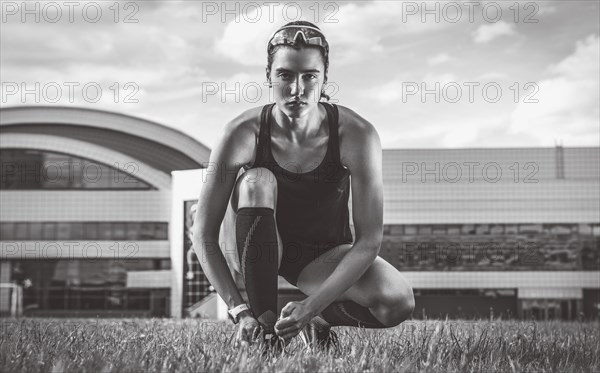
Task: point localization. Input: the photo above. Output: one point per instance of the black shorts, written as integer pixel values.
(298, 255)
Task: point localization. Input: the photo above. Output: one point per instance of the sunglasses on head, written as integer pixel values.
(288, 35)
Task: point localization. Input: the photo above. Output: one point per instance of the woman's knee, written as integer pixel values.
(396, 305)
(257, 187)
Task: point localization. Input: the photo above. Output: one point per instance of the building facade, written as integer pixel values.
(85, 206)
(95, 219)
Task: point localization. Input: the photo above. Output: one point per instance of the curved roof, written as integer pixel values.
(159, 146)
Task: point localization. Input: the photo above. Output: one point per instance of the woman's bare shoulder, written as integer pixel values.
(352, 126)
(247, 121)
(353, 131)
(239, 135)
(351, 121)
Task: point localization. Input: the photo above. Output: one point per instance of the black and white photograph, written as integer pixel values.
(300, 186)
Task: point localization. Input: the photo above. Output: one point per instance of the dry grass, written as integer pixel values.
(152, 345)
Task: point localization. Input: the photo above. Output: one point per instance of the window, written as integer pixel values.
(49, 231)
(104, 231)
(63, 231)
(481, 247)
(21, 231)
(6, 231)
(90, 231)
(439, 229)
(424, 229)
(161, 232)
(133, 231)
(396, 230)
(30, 169)
(482, 229)
(86, 231)
(410, 230)
(119, 231)
(35, 231)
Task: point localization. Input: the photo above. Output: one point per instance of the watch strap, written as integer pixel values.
(235, 311)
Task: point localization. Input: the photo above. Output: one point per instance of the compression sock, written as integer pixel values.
(256, 239)
(349, 313)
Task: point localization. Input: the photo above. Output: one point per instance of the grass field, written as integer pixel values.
(126, 345)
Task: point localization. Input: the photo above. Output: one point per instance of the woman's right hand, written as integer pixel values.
(248, 329)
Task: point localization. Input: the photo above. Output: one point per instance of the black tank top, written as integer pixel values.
(312, 207)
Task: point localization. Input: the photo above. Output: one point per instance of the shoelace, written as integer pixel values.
(314, 336)
(272, 343)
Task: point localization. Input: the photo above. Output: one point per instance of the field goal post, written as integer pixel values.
(14, 298)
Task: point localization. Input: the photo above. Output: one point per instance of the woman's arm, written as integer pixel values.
(233, 150)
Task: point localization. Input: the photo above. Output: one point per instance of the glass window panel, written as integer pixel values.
(138, 264)
(91, 231)
(119, 231)
(410, 229)
(585, 229)
(468, 229)
(165, 264)
(92, 299)
(49, 231)
(482, 229)
(561, 229)
(138, 299)
(133, 231)
(511, 229)
(424, 229)
(76, 169)
(162, 231)
(396, 230)
(7, 231)
(63, 231)
(95, 176)
(453, 229)
(21, 231)
(497, 229)
(104, 231)
(35, 231)
(439, 229)
(77, 231)
(147, 231)
(55, 171)
(27, 169)
(530, 228)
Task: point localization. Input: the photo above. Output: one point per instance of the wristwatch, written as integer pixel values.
(235, 312)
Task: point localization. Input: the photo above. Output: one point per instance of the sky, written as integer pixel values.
(425, 74)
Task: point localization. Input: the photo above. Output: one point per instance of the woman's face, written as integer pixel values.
(297, 76)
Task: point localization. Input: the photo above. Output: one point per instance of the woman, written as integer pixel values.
(286, 211)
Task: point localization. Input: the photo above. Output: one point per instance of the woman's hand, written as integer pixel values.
(294, 317)
(248, 330)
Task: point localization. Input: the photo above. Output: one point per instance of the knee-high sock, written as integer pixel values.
(256, 239)
(349, 313)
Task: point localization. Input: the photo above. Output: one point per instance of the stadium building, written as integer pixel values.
(95, 215)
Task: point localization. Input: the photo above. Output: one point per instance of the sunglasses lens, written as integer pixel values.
(292, 34)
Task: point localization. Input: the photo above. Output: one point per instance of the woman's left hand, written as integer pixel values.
(294, 317)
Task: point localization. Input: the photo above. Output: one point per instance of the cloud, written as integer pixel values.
(568, 101)
(438, 59)
(486, 33)
(392, 91)
(492, 76)
(356, 32)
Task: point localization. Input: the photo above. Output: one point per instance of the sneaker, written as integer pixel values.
(318, 334)
(271, 342)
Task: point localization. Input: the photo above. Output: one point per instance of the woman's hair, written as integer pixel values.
(300, 44)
